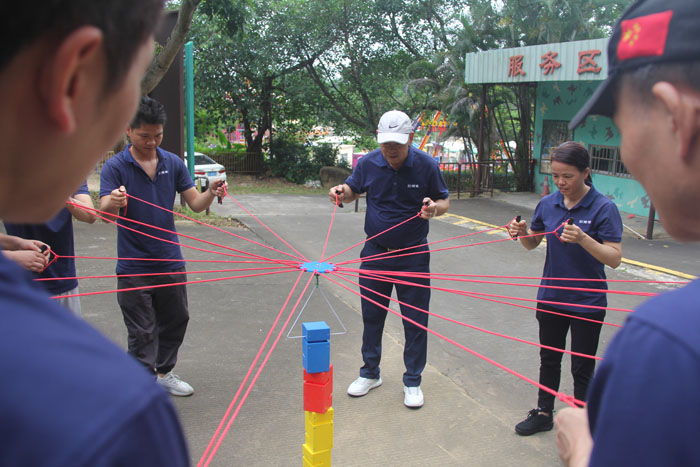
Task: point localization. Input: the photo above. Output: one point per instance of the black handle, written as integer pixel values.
(340, 205)
(517, 219)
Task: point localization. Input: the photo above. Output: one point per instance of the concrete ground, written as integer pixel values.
(470, 405)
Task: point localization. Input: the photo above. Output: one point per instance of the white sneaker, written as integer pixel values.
(413, 397)
(361, 386)
(174, 385)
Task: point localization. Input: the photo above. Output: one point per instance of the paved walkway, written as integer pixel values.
(471, 406)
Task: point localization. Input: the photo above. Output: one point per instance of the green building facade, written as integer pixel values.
(566, 75)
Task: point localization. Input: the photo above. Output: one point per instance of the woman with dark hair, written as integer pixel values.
(590, 240)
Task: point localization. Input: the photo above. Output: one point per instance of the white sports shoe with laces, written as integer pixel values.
(413, 397)
(174, 385)
(362, 386)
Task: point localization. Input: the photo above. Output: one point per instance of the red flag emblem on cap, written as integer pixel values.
(644, 36)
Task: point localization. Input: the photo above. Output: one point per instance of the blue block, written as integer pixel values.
(316, 331)
(316, 356)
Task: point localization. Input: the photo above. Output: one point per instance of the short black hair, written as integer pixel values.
(125, 24)
(642, 79)
(150, 112)
(572, 153)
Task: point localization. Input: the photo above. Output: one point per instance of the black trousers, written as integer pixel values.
(156, 319)
(584, 339)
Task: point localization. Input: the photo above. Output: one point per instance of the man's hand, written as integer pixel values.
(32, 260)
(429, 209)
(219, 188)
(573, 439)
(337, 192)
(117, 197)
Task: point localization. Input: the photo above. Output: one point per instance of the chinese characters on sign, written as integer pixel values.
(549, 64)
(515, 65)
(586, 63)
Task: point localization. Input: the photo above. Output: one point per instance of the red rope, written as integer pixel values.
(516, 284)
(212, 226)
(563, 397)
(473, 295)
(249, 255)
(372, 237)
(330, 226)
(493, 333)
(302, 257)
(470, 293)
(393, 254)
(218, 279)
(112, 276)
(437, 275)
(211, 450)
(226, 261)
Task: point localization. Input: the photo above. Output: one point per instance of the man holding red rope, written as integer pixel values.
(156, 318)
(643, 403)
(400, 181)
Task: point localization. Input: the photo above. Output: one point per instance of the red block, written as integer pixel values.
(318, 397)
(319, 378)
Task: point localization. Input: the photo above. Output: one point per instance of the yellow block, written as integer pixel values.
(319, 437)
(306, 463)
(316, 458)
(316, 418)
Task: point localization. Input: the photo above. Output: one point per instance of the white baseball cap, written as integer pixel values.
(394, 126)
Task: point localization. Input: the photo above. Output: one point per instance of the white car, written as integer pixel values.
(206, 167)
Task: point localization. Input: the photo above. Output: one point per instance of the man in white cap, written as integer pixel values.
(400, 181)
(643, 402)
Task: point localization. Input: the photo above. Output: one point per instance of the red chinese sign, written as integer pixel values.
(586, 62)
(515, 65)
(549, 64)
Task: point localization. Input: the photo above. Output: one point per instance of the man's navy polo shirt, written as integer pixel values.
(171, 177)
(57, 233)
(597, 216)
(643, 403)
(396, 195)
(69, 395)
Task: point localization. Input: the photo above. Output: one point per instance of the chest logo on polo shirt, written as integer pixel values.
(413, 185)
(163, 172)
(579, 221)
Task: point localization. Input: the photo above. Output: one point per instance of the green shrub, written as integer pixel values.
(289, 158)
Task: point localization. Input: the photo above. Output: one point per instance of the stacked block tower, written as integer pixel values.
(318, 394)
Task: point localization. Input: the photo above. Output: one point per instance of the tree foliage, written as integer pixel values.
(287, 65)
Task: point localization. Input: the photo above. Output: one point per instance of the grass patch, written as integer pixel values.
(249, 184)
(211, 218)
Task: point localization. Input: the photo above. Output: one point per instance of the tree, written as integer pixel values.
(240, 72)
(162, 61)
(508, 110)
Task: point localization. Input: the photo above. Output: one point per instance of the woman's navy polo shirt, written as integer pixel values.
(171, 177)
(396, 195)
(597, 216)
(58, 234)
